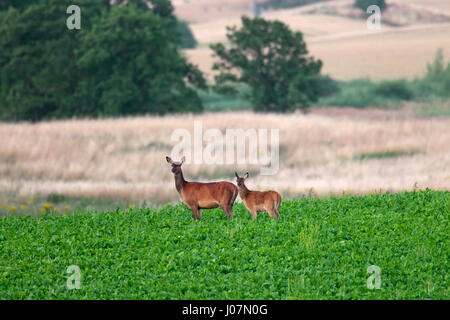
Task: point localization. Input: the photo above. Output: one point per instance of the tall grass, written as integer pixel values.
(124, 159)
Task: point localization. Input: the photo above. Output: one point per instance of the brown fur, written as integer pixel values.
(198, 195)
(257, 201)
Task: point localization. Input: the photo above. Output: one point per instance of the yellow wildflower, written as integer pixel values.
(47, 206)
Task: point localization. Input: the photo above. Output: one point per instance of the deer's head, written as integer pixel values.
(240, 181)
(176, 166)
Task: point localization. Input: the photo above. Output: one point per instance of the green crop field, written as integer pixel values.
(318, 249)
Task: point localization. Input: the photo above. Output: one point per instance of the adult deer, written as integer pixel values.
(257, 201)
(198, 195)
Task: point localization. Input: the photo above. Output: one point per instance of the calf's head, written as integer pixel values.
(240, 181)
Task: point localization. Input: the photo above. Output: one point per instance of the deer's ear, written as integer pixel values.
(169, 160)
(246, 176)
(182, 160)
(235, 173)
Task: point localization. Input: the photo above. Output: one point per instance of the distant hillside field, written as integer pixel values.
(411, 33)
(318, 249)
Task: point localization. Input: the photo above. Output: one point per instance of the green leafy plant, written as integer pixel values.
(317, 249)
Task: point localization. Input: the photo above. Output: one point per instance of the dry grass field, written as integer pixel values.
(326, 152)
(411, 33)
(437, 6)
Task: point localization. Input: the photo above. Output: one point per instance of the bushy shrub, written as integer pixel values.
(437, 71)
(355, 93)
(436, 82)
(396, 89)
(439, 74)
(327, 86)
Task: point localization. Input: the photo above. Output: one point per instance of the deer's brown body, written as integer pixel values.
(198, 195)
(259, 201)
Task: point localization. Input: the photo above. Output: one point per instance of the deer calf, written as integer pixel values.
(257, 201)
(197, 195)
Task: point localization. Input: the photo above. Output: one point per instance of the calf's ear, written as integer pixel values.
(235, 173)
(169, 160)
(182, 160)
(246, 176)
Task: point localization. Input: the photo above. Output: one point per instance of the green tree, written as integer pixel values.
(272, 60)
(37, 59)
(17, 4)
(437, 77)
(138, 67)
(364, 4)
(187, 40)
(124, 60)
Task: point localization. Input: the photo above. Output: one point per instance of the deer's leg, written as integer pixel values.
(277, 211)
(227, 209)
(195, 211)
(231, 203)
(227, 205)
(277, 207)
(253, 212)
(269, 206)
(274, 210)
(276, 214)
(230, 211)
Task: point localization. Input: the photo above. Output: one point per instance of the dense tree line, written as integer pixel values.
(125, 59)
